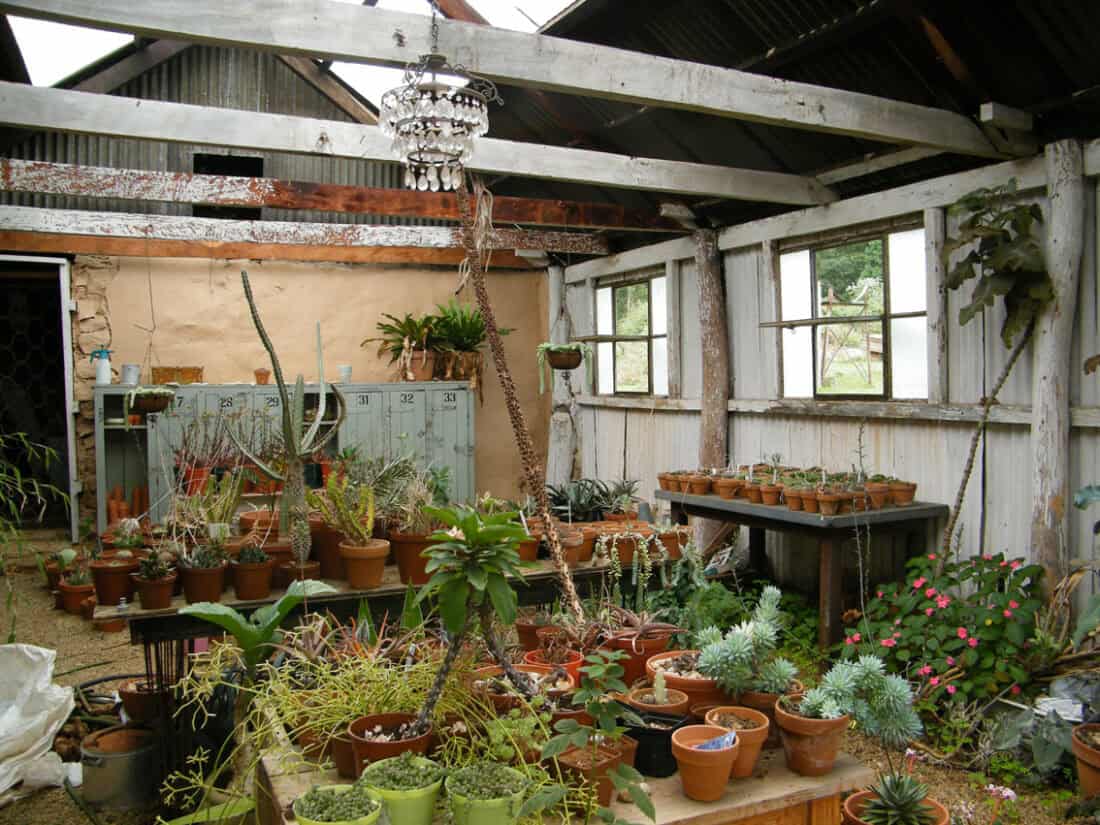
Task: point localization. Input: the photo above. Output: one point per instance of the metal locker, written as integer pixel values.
(406, 418)
(364, 426)
(165, 437)
(448, 438)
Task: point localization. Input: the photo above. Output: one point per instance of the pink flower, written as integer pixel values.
(879, 594)
(1008, 614)
(942, 601)
(950, 661)
(897, 622)
(888, 642)
(856, 637)
(930, 592)
(919, 583)
(1004, 564)
(1015, 690)
(897, 634)
(931, 556)
(848, 640)
(1013, 604)
(935, 680)
(928, 611)
(951, 689)
(973, 641)
(987, 557)
(1015, 565)
(961, 632)
(924, 671)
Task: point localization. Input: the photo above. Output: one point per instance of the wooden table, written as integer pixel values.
(921, 520)
(774, 796)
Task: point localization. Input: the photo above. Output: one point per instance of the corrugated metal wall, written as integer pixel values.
(996, 512)
(225, 78)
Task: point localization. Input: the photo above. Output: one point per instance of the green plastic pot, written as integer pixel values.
(503, 811)
(369, 819)
(415, 807)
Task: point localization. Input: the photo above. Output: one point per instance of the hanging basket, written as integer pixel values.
(151, 403)
(564, 359)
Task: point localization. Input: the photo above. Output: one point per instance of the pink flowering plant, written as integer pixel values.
(961, 632)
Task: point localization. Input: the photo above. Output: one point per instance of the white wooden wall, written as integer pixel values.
(640, 438)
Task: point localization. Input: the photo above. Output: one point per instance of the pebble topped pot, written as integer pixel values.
(368, 750)
(699, 690)
(638, 651)
(704, 774)
(765, 703)
(751, 739)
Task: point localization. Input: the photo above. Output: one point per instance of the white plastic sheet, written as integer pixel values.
(32, 711)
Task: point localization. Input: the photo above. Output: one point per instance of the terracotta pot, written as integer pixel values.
(364, 563)
(588, 544)
(902, 493)
(727, 487)
(664, 481)
(677, 704)
(878, 493)
(53, 575)
(793, 499)
(1088, 761)
(765, 703)
(326, 549)
(809, 502)
(698, 690)
(87, 608)
(293, 571)
(252, 582)
(157, 594)
(673, 542)
(73, 594)
(143, 702)
(699, 485)
(853, 809)
(578, 762)
(260, 521)
(572, 666)
(407, 549)
(421, 366)
(810, 745)
(262, 375)
(769, 494)
(528, 549)
(626, 545)
(111, 579)
(567, 710)
(280, 554)
(568, 359)
(638, 652)
(751, 739)
(703, 774)
(698, 712)
(683, 484)
(343, 756)
(505, 702)
(828, 504)
(628, 749)
(203, 584)
(528, 634)
(195, 479)
(571, 547)
(752, 493)
(367, 751)
(630, 516)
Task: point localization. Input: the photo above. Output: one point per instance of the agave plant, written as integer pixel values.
(898, 800)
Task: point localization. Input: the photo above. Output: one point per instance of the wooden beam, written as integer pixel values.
(131, 66)
(562, 441)
(1006, 117)
(1052, 349)
(214, 230)
(331, 87)
(39, 242)
(871, 164)
(65, 111)
(656, 254)
(935, 229)
(43, 177)
(367, 35)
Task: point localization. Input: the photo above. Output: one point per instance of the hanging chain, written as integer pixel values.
(435, 25)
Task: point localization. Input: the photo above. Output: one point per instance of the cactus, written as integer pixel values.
(299, 443)
(346, 507)
(660, 692)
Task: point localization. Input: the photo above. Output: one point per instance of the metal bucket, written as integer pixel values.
(131, 374)
(121, 768)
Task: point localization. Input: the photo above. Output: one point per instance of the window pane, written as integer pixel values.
(909, 357)
(798, 362)
(849, 359)
(604, 369)
(794, 284)
(631, 366)
(604, 323)
(660, 366)
(660, 306)
(907, 272)
(849, 279)
(632, 309)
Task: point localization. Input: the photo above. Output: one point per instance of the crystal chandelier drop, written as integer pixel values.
(433, 120)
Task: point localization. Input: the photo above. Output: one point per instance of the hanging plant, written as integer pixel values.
(563, 357)
(406, 339)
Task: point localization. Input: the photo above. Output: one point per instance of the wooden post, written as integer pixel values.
(714, 352)
(1053, 338)
(563, 434)
(935, 230)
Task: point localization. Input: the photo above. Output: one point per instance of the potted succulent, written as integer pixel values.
(554, 650)
(902, 493)
(751, 727)
(337, 803)
(349, 508)
(411, 344)
(878, 491)
(252, 571)
(563, 357)
(527, 624)
(1086, 749)
(75, 586)
(705, 755)
(378, 736)
(111, 577)
(681, 672)
(202, 570)
(410, 537)
(154, 580)
(486, 793)
(408, 786)
(142, 700)
(658, 698)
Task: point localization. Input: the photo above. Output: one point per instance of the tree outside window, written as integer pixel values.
(632, 338)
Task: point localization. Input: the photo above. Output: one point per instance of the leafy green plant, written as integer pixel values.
(153, 568)
(78, 577)
(347, 507)
(340, 804)
(251, 554)
(543, 365)
(486, 780)
(407, 772)
(519, 732)
(256, 634)
(460, 327)
(403, 337)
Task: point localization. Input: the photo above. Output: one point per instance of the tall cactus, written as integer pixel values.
(299, 443)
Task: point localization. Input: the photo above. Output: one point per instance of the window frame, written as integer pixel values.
(814, 322)
(624, 282)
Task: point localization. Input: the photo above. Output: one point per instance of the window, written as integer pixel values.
(632, 338)
(859, 319)
(238, 165)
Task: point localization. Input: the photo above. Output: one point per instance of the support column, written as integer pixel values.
(563, 434)
(714, 352)
(1053, 338)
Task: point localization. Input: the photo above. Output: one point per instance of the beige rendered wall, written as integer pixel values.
(202, 319)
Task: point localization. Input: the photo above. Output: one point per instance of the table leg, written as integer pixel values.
(758, 551)
(829, 590)
(824, 811)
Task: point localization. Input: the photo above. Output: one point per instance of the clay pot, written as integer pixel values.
(367, 751)
(828, 504)
(698, 690)
(528, 549)
(809, 502)
(698, 712)
(793, 499)
(853, 808)
(578, 762)
(407, 549)
(699, 485)
(629, 516)
(154, 595)
(111, 578)
(528, 634)
(572, 666)
(364, 563)
(769, 494)
(143, 702)
(87, 608)
(727, 487)
(280, 554)
(673, 542)
(262, 375)
(664, 481)
(203, 584)
(765, 704)
(626, 545)
(261, 521)
(567, 710)
(421, 366)
(627, 748)
(703, 774)
(810, 745)
(751, 739)
(902, 493)
(878, 493)
(677, 704)
(343, 756)
(588, 543)
(505, 702)
(571, 547)
(195, 479)
(326, 549)
(252, 582)
(638, 652)
(73, 594)
(293, 571)
(53, 575)
(752, 493)
(568, 359)
(1088, 761)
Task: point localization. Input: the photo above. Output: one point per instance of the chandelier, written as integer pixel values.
(434, 117)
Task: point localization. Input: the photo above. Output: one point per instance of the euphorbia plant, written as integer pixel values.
(347, 507)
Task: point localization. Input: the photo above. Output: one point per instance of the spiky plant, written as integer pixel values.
(660, 691)
(299, 442)
(899, 800)
(346, 507)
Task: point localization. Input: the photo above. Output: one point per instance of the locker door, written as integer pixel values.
(364, 425)
(448, 438)
(165, 437)
(407, 420)
(228, 401)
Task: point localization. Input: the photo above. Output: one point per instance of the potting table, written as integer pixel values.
(773, 796)
(922, 521)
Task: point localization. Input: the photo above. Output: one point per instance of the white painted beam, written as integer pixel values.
(1006, 117)
(66, 111)
(337, 31)
(215, 230)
